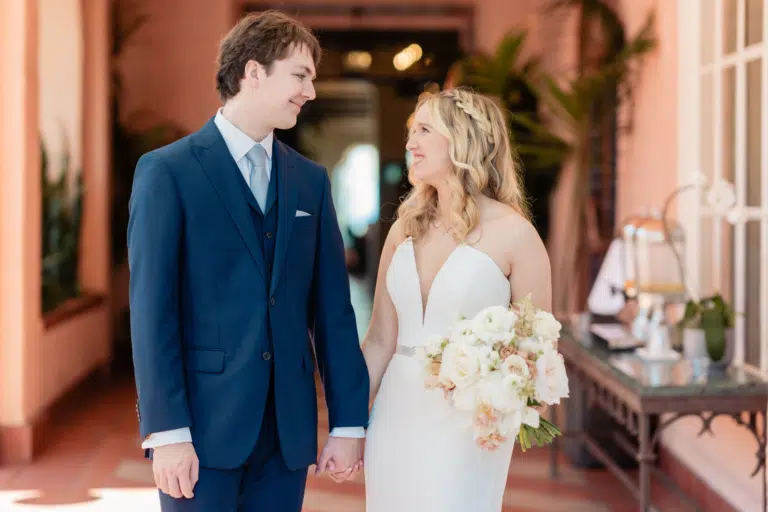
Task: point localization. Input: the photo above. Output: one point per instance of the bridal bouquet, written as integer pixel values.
(499, 367)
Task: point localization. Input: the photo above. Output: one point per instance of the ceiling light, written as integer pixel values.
(357, 60)
(406, 57)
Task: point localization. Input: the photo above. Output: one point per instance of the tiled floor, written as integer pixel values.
(94, 464)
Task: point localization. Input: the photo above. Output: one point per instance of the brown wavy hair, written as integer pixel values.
(264, 37)
(484, 163)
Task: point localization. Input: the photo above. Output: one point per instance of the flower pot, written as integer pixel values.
(714, 343)
(720, 345)
(694, 344)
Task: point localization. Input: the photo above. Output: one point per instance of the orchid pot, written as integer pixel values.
(708, 327)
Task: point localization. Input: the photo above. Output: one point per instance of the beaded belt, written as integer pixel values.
(406, 350)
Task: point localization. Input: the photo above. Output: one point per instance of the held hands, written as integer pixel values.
(176, 469)
(342, 458)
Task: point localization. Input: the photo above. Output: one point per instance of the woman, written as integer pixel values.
(462, 242)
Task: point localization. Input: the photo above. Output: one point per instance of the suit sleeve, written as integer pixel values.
(154, 242)
(340, 359)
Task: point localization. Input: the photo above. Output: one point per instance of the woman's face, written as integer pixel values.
(431, 162)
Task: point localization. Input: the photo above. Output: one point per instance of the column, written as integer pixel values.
(19, 219)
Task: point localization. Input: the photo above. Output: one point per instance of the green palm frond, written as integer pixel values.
(581, 106)
(491, 73)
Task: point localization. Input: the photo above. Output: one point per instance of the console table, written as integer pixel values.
(634, 392)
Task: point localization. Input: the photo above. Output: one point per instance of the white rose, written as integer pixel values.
(531, 417)
(434, 346)
(545, 326)
(533, 345)
(510, 423)
(489, 359)
(551, 379)
(494, 319)
(517, 369)
(495, 323)
(461, 364)
(496, 391)
(462, 332)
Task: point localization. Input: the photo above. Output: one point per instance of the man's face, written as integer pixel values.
(279, 95)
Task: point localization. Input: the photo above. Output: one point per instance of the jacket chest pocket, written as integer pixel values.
(304, 234)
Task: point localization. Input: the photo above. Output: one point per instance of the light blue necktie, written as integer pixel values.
(258, 179)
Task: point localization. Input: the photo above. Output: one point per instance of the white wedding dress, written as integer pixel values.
(419, 454)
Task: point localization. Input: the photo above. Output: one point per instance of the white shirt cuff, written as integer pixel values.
(358, 432)
(179, 435)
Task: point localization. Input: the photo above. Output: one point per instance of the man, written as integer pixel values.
(237, 262)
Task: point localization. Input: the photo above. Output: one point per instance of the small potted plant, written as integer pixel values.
(708, 327)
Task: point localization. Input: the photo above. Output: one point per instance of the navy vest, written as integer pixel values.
(266, 228)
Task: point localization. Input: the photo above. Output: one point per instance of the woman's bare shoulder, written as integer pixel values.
(396, 235)
(512, 231)
(506, 222)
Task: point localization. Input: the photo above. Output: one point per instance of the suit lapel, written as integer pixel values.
(287, 197)
(212, 152)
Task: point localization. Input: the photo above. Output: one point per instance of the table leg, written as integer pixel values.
(765, 485)
(644, 459)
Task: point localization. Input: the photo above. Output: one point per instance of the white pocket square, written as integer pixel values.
(300, 213)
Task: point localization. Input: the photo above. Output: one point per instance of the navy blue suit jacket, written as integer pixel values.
(204, 309)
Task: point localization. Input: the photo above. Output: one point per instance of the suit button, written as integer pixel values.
(267, 356)
(272, 301)
(269, 234)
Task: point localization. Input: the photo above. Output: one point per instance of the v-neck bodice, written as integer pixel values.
(467, 281)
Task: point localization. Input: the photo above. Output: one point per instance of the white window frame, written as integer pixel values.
(690, 211)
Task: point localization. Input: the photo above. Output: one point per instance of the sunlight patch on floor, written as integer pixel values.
(102, 500)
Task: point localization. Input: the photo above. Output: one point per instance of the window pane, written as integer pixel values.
(752, 313)
(754, 135)
(729, 122)
(711, 281)
(725, 280)
(730, 21)
(707, 29)
(706, 283)
(707, 127)
(754, 21)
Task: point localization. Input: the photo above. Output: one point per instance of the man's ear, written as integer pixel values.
(252, 75)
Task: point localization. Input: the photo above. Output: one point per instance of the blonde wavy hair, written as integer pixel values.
(484, 163)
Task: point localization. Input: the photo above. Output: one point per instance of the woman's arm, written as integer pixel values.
(380, 340)
(531, 271)
(529, 264)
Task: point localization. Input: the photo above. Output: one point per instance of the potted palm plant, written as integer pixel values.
(586, 109)
(509, 78)
(62, 205)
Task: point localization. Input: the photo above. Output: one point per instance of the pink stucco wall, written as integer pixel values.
(171, 65)
(38, 365)
(647, 160)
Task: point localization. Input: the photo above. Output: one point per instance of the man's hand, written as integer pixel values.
(176, 469)
(342, 457)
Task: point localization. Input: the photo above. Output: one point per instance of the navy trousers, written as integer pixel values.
(263, 484)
